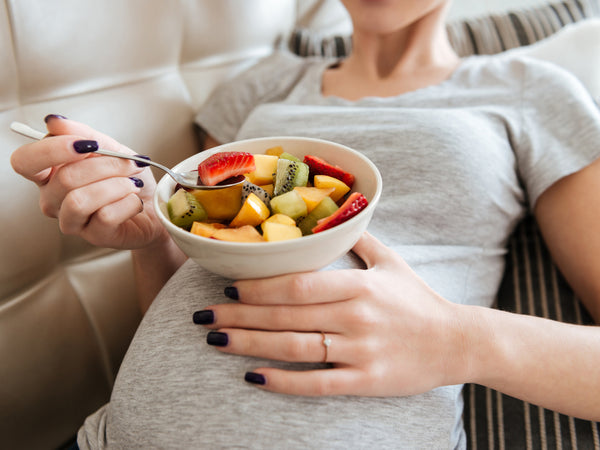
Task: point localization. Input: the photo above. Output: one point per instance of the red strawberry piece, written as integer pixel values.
(319, 166)
(221, 166)
(354, 204)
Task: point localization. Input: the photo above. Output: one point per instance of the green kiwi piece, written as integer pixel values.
(289, 175)
(291, 204)
(286, 155)
(325, 208)
(184, 209)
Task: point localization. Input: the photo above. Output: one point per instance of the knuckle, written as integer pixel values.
(66, 177)
(104, 216)
(47, 207)
(362, 316)
(75, 203)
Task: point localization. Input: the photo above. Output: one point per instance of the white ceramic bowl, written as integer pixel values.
(258, 260)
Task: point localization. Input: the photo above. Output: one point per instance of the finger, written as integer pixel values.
(334, 317)
(303, 288)
(80, 204)
(371, 250)
(105, 223)
(336, 381)
(287, 346)
(62, 126)
(34, 161)
(76, 175)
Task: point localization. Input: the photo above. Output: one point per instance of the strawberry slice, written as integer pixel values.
(354, 204)
(319, 166)
(221, 166)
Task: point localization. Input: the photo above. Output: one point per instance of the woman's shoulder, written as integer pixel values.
(275, 75)
(518, 69)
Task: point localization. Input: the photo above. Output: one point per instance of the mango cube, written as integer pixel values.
(252, 212)
(325, 181)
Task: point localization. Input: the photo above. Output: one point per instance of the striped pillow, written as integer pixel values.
(484, 35)
(532, 283)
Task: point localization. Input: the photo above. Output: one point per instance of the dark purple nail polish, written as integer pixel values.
(217, 338)
(85, 146)
(205, 317)
(138, 183)
(141, 164)
(255, 378)
(231, 292)
(53, 116)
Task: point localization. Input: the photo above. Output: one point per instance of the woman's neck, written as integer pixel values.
(413, 57)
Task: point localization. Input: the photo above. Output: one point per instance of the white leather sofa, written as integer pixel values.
(137, 70)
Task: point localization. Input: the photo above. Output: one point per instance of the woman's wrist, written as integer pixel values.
(154, 265)
(470, 354)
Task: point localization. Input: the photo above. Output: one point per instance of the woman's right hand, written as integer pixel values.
(107, 201)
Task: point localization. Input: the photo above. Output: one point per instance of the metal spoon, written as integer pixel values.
(186, 179)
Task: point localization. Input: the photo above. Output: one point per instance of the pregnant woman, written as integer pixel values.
(466, 148)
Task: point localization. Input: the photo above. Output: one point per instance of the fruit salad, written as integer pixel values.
(283, 197)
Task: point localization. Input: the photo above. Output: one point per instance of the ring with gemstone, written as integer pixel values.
(326, 344)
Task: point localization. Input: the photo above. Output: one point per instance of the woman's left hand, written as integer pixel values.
(389, 334)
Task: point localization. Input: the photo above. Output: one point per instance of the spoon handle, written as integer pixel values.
(32, 133)
(26, 131)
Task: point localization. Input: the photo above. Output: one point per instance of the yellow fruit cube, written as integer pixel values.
(274, 151)
(266, 165)
(325, 181)
(220, 204)
(281, 218)
(268, 188)
(252, 212)
(247, 233)
(206, 229)
(312, 196)
(273, 231)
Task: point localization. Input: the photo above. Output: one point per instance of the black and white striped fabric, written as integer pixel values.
(483, 35)
(532, 284)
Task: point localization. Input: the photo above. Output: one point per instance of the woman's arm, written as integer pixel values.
(541, 361)
(568, 214)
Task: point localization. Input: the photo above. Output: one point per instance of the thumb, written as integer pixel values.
(370, 249)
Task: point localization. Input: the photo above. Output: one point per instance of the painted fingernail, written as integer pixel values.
(138, 183)
(141, 164)
(53, 116)
(255, 378)
(231, 292)
(217, 338)
(205, 317)
(85, 146)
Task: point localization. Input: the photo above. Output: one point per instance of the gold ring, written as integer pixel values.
(326, 344)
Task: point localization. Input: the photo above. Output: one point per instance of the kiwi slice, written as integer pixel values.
(325, 208)
(184, 209)
(286, 155)
(289, 175)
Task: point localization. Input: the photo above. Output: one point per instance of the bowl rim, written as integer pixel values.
(263, 247)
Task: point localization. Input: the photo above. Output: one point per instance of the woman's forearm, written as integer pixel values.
(547, 363)
(153, 266)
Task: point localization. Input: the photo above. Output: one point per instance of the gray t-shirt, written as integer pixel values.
(462, 162)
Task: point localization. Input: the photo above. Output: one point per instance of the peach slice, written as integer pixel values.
(247, 233)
